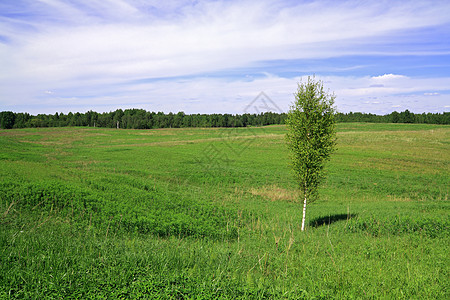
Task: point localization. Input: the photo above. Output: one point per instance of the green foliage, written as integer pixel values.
(311, 136)
(7, 119)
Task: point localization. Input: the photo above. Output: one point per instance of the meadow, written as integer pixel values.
(214, 213)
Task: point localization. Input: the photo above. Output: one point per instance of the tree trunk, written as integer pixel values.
(304, 214)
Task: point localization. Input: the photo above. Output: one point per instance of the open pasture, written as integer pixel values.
(197, 213)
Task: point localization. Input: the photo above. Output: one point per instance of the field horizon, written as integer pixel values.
(200, 213)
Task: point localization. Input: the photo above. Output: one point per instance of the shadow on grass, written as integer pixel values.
(327, 220)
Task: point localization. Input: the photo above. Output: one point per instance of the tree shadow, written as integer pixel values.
(327, 220)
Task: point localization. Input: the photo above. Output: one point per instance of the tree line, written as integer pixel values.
(396, 117)
(138, 119)
(142, 119)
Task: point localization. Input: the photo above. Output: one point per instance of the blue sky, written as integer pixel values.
(217, 56)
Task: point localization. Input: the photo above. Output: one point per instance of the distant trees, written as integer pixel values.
(311, 137)
(7, 119)
(142, 119)
(396, 117)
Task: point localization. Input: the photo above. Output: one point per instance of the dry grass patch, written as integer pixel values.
(275, 193)
(391, 198)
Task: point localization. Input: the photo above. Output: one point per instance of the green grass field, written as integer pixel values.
(213, 213)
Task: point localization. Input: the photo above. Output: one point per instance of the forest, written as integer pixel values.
(142, 119)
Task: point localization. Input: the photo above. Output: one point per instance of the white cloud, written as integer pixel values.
(392, 84)
(387, 77)
(206, 95)
(93, 50)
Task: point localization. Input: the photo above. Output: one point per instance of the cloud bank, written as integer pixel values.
(215, 56)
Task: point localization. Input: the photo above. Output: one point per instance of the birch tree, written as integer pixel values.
(311, 137)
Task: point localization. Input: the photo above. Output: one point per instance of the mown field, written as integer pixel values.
(213, 213)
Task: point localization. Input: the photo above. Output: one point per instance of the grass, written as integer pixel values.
(214, 213)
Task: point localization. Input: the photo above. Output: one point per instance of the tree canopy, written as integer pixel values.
(311, 136)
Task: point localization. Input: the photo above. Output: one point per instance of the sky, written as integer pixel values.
(218, 56)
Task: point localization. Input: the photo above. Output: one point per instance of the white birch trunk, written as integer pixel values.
(304, 214)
